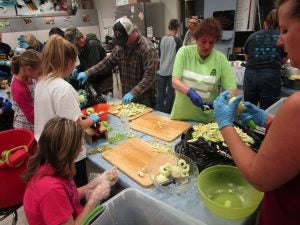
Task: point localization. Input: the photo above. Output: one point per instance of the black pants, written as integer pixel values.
(81, 176)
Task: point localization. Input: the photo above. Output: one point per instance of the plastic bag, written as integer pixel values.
(206, 153)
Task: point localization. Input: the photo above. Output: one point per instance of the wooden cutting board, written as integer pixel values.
(160, 126)
(130, 157)
(112, 109)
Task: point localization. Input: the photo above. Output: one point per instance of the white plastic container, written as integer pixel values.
(131, 207)
(125, 123)
(275, 107)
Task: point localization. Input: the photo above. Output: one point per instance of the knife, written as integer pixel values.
(174, 180)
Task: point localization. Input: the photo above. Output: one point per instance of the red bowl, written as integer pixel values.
(99, 108)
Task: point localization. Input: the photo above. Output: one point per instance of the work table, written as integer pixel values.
(188, 201)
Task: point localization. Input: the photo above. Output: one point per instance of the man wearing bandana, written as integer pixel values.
(137, 61)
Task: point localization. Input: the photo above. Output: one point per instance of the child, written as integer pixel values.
(26, 68)
(56, 97)
(51, 196)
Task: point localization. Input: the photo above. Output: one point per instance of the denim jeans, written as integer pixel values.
(165, 94)
(262, 86)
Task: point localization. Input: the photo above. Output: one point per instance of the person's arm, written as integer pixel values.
(100, 192)
(56, 205)
(179, 86)
(110, 175)
(278, 159)
(86, 122)
(233, 92)
(104, 66)
(149, 60)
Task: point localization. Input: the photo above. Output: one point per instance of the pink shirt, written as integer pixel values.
(23, 100)
(50, 200)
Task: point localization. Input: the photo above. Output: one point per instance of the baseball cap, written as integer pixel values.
(122, 28)
(72, 34)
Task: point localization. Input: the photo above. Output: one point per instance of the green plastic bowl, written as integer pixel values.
(227, 193)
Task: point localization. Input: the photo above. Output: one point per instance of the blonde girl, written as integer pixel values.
(26, 69)
(56, 97)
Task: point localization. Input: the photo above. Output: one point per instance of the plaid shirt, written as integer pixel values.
(137, 65)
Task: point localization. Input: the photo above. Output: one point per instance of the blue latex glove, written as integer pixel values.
(82, 78)
(259, 116)
(224, 113)
(2, 63)
(195, 97)
(6, 106)
(23, 44)
(127, 98)
(95, 118)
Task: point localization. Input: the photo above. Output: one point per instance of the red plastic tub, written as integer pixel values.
(11, 181)
(98, 108)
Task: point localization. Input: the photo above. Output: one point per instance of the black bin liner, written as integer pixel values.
(205, 153)
(93, 97)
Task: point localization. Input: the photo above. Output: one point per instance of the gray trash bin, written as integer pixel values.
(131, 207)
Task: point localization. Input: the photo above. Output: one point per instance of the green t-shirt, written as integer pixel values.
(203, 76)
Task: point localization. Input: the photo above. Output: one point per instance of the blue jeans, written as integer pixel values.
(165, 94)
(262, 86)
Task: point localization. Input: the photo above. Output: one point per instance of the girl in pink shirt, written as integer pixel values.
(26, 68)
(51, 196)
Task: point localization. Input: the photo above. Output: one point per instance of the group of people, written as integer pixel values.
(47, 104)
(194, 71)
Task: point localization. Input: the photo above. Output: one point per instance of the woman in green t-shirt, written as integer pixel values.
(198, 71)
